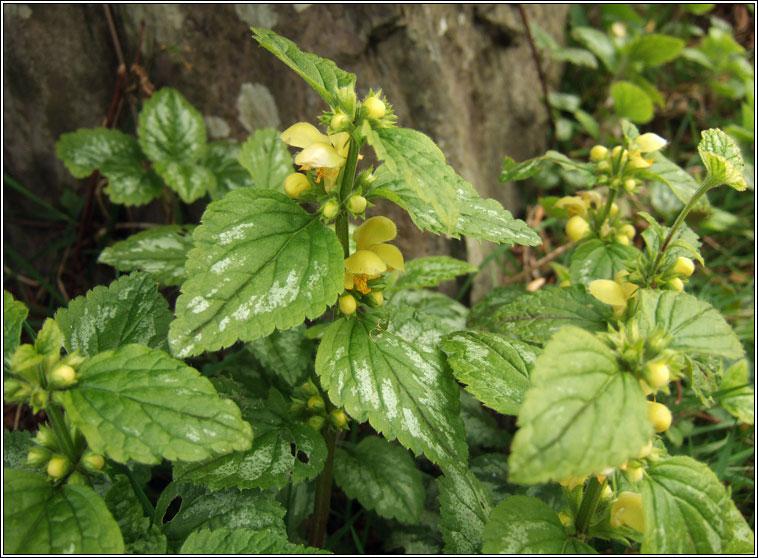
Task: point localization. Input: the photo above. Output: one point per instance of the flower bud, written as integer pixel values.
(377, 296)
(39, 399)
(659, 415)
(627, 510)
(347, 100)
(315, 403)
(613, 210)
(295, 184)
(630, 185)
(330, 209)
(62, 376)
(58, 466)
(635, 475)
(628, 231)
(93, 461)
(622, 239)
(374, 107)
(657, 374)
(348, 304)
(565, 283)
(645, 451)
(38, 457)
(677, 284)
(603, 166)
(46, 437)
(620, 154)
(598, 153)
(607, 492)
(684, 266)
(338, 418)
(649, 142)
(356, 203)
(577, 228)
(316, 422)
(339, 122)
(77, 478)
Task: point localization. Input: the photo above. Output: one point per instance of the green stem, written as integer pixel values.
(707, 185)
(346, 188)
(147, 507)
(606, 209)
(61, 432)
(323, 493)
(590, 500)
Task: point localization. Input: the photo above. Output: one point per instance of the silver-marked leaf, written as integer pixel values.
(695, 325)
(267, 159)
(320, 73)
(40, 519)
(260, 262)
(140, 535)
(741, 538)
(430, 271)
(492, 471)
(402, 389)
(494, 368)
(581, 416)
(224, 509)
(382, 476)
(160, 251)
(595, 259)
(464, 511)
(141, 404)
(284, 450)
(736, 392)
(287, 354)
(481, 427)
(171, 129)
(534, 317)
(722, 159)
(129, 310)
(189, 180)
(14, 314)
(524, 525)
(481, 315)
(416, 176)
(685, 508)
(242, 541)
(16, 445)
(221, 159)
(424, 316)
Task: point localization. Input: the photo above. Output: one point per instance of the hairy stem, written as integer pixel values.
(147, 507)
(346, 188)
(61, 432)
(606, 209)
(590, 500)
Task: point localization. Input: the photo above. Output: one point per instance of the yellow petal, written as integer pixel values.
(340, 142)
(637, 161)
(365, 262)
(608, 291)
(319, 155)
(390, 255)
(649, 142)
(373, 231)
(574, 205)
(627, 510)
(302, 135)
(349, 282)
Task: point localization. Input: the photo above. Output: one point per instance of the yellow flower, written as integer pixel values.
(646, 143)
(325, 154)
(574, 205)
(615, 293)
(372, 257)
(627, 510)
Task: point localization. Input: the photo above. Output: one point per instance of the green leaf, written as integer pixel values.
(481, 428)
(40, 519)
(631, 101)
(129, 310)
(581, 416)
(137, 403)
(225, 509)
(722, 159)
(189, 180)
(287, 354)
(741, 539)
(16, 444)
(221, 159)
(681, 183)
(403, 390)
(524, 525)
(284, 450)
(737, 393)
(260, 261)
(495, 368)
(424, 316)
(492, 471)
(171, 129)
(695, 326)
(684, 505)
(160, 251)
(382, 477)
(597, 42)
(513, 171)
(242, 541)
(118, 156)
(417, 539)
(654, 49)
(14, 315)
(481, 314)
(596, 259)
(431, 271)
(464, 510)
(320, 73)
(140, 536)
(578, 56)
(652, 92)
(588, 122)
(534, 317)
(267, 159)
(416, 177)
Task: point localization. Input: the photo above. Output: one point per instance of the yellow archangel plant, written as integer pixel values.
(372, 257)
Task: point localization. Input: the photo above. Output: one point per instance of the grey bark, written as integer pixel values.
(463, 74)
